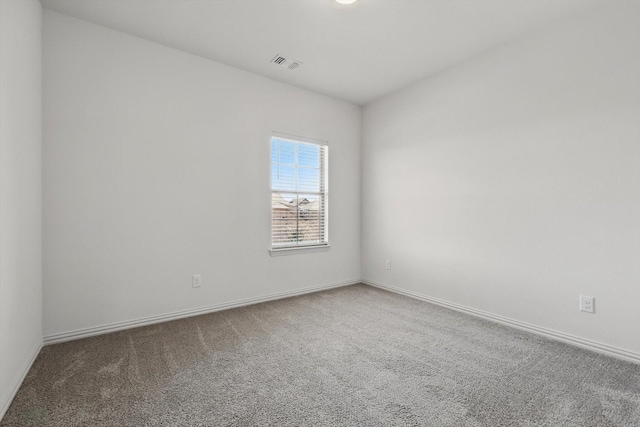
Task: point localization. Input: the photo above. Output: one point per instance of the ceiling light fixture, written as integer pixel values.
(346, 1)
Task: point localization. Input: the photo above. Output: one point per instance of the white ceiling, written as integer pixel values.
(352, 52)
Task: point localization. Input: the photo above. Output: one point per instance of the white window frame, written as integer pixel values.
(278, 250)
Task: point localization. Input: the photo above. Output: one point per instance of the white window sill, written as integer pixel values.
(298, 250)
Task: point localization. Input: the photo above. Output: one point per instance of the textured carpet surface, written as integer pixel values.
(353, 356)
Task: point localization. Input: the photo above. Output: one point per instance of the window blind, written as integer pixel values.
(298, 193)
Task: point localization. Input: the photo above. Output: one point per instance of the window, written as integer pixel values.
(298, 193)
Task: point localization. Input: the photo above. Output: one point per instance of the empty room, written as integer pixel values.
(320, 213)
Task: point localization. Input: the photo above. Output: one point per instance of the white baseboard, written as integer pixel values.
(118, 326)
(16, 386)
(549, 333)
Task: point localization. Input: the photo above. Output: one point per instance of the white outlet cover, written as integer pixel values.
(587, 304)
(196, 280)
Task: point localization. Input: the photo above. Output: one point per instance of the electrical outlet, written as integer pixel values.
(587, 304)
(196, 280)
(387, 264)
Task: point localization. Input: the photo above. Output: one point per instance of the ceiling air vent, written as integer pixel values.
(286, 62)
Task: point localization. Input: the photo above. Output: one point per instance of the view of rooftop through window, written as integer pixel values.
(298, 193)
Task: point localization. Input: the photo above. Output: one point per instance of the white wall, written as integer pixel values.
(156, 167)
(20, 192)
(511, 182)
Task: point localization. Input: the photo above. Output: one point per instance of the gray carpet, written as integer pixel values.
(353, 356)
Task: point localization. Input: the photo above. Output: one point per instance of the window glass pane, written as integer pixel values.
(283, 177)
(309, 155)
(308, 179)
(310, 223)
(285, 232)
(287, 152)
